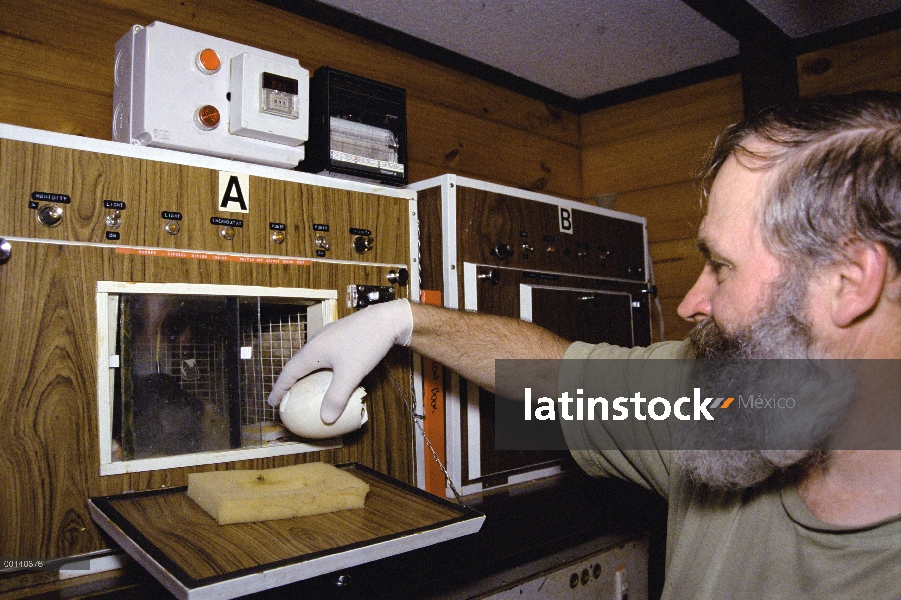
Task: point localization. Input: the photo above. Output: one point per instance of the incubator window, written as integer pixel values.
(190, 373)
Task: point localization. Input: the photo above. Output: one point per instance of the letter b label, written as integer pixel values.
(566, 220)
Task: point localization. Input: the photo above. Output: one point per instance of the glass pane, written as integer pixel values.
(195, 372)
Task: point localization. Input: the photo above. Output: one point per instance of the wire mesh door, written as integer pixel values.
(196, 371)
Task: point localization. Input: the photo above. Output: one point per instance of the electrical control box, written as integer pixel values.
(185, 90)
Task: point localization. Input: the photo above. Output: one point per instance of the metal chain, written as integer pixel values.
(417, 421)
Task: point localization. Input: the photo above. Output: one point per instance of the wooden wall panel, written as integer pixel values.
(60, 60)
(648, 152)
(677, 264)
(463, 143)
(655, 141)
(678, 108)
(871, 63)
(673, 211)
(83, 113)
(674, 328)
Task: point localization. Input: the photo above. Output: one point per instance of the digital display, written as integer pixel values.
(279, 84)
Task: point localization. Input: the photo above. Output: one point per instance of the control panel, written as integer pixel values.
(515, 232)
(186, 208)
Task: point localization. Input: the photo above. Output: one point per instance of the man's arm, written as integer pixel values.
(468, 343)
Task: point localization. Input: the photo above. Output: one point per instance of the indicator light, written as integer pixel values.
(208, 61)
(207, 117)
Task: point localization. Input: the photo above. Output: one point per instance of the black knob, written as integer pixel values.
(502, 250)
(362, 244)
(493, 276)
(399, 277)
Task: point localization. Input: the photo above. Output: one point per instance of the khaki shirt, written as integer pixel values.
(760, 543)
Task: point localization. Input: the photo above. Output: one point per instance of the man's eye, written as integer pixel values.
(718, 268)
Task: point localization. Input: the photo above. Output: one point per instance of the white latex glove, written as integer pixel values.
(351, 347)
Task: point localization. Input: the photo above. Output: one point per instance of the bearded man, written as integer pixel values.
(802, 236)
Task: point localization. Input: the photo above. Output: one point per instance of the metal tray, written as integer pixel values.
(194, 557)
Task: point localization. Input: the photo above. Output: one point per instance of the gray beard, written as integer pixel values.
(778, 333)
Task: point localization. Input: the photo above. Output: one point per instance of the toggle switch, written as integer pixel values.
(492, 276)
(621, 583)
(114, 220)
(6, 250)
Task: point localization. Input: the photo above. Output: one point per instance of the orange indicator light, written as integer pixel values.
(208, 61)
(208, 117)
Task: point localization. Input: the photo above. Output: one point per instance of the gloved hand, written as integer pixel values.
(351, 347)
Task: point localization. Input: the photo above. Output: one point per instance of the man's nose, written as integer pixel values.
(696, 306)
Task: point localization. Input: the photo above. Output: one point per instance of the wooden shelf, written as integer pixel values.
(194, 557)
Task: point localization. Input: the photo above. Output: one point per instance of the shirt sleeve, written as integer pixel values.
(595, 447)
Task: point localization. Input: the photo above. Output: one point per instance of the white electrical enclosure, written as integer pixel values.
(184, 90)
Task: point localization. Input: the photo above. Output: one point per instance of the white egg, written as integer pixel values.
(299, 409)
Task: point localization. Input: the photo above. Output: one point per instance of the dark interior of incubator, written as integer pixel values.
(195, 372)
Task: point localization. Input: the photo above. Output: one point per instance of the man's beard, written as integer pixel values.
(778, 333)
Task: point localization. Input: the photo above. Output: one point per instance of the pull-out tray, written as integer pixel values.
(195, 557)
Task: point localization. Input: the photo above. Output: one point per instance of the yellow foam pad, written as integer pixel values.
(280, 493)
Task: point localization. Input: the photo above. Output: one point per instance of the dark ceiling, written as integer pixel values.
(581, 55)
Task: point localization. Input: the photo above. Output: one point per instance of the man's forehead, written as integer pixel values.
(733, 205)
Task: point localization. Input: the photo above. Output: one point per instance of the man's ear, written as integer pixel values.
(860, 279)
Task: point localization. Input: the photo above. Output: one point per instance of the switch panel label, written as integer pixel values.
(226, 222)
(49, 197)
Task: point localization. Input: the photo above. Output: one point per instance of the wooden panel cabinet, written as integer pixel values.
(50, 458)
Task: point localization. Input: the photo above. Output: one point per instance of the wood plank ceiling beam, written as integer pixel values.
(766, 54)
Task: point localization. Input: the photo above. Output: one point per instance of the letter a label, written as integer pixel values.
(234, 192)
